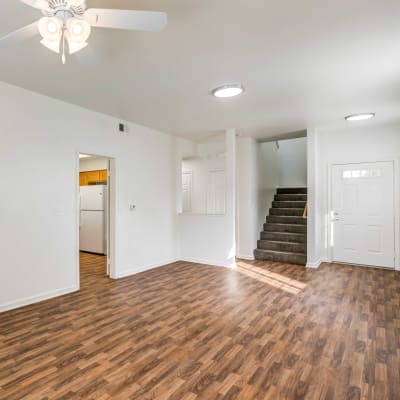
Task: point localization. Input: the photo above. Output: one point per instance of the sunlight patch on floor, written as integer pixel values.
(273, 279)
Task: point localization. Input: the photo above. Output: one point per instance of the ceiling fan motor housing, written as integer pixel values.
(63, 8)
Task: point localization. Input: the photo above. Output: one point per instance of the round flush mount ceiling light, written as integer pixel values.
(228, 91)
(359, 117)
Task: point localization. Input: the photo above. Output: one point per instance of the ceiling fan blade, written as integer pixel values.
(127, 19)
(20, 35)
(39, 4)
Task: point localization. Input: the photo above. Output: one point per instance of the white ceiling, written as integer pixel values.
(303, 63)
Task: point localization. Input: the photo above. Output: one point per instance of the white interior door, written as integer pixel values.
(363, 214)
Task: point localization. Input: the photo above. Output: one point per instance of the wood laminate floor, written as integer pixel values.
(188, 332)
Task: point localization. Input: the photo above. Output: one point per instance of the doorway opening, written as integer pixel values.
(278, 206)
(95, 218)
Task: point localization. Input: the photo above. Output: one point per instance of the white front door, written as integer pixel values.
(363, 214)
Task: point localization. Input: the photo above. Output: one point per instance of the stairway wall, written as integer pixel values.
(292, 162)
(268, 179)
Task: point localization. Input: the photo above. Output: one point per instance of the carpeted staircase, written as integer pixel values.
(284, 238)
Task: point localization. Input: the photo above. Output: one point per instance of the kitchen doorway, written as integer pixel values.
(96, 202)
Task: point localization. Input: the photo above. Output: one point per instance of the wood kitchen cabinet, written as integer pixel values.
(83, 181)
(91, 177)
(103, 175)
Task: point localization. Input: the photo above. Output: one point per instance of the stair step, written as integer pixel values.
(291, 197)
(284, 237)
(287, 228)
(290, 247)
(275, 219)
(280, 256)
(294, 212)
(289, 204)
(298, 190)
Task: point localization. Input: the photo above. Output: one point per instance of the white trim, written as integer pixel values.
(314, 265)
(245, 257)
(77, 218)
(37, 298)
(144, 268)
(112, 209)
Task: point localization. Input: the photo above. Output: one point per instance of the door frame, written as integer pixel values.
(111, 214)
(396, 211)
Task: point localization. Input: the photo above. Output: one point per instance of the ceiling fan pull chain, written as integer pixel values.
(63, 59)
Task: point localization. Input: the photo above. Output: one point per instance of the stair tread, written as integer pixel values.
(288, 208)
(279, 241)
(281, 252)
(290, 201)
(280, 223)
(285, 233)
(287, 226)
(294, 238)
(287, 216)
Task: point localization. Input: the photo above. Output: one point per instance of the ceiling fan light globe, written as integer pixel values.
(75, 47)
(79, 30)
(50, 28)
(53, 45)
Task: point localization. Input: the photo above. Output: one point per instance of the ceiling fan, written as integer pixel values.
(69, 21)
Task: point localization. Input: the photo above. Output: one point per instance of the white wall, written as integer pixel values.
(210, 238)
(247, 231)
(292, 162)
(93, 164)
(314, 238)
(352, 143)
(40, 141)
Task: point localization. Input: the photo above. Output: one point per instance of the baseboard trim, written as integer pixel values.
(317, 264)
(246, 257)
(26, 301)
(144, 268)
(207, 262)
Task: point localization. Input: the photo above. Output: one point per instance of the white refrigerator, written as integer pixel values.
(93, 219)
